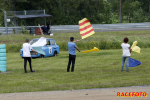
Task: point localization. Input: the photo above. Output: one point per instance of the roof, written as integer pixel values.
(32, 16)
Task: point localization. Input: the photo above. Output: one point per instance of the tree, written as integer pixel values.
(128, 9)
(71, 11)
(4, 4)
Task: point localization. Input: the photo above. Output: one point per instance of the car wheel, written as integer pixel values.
(41, 56)
(55, 54)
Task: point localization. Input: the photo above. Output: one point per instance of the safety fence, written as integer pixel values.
(74, 28)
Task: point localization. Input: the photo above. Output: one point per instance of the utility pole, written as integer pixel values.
(120, 12)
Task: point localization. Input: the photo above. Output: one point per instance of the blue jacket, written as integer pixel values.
(44, 29)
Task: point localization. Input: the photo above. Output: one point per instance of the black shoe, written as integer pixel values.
(25, 72)
(32, 71)
(67, 71)
(72, 71)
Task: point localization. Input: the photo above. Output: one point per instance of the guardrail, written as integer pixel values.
(60, 28)
(17, 30)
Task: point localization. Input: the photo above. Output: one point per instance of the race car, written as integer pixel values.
(50, 49)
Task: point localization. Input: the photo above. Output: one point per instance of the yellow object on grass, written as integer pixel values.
(135, 48)
(95, 49)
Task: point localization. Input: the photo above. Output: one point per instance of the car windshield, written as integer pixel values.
(33, 41)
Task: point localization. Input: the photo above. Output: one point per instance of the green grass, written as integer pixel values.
(102, 40)
(141, 36)
(92, 70)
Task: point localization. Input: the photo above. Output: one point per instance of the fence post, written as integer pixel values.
(44, 18)
(25, 13)
(5, 20)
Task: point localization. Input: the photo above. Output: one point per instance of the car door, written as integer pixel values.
(53, 46)
(47, 49)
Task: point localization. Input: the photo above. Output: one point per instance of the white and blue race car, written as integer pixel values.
(49, 49)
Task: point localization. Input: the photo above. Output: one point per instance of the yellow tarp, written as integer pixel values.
(135, 48)
(95, 49)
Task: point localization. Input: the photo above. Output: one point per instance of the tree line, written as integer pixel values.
(69, 12)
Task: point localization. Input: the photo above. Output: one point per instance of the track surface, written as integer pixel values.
(86, 94)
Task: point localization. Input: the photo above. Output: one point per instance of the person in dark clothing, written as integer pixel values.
(48, 28)
(44, 28)
(72, 55)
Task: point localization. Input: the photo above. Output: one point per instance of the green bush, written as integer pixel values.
(103, 44)
(24, 30)
(82, 45)
(13, 47)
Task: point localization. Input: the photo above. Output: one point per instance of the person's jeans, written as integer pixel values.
(71, 59)
(127, 63)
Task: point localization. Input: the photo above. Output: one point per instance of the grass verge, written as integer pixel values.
(92, 70)
(102, 40)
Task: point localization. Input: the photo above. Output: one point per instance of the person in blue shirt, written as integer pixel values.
(72, 55)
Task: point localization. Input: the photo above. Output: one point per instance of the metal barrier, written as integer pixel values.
(17, 30)
(61, 28)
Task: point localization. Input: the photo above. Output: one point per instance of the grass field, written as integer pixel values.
(92, 70)
(141, 36)
(102, 40)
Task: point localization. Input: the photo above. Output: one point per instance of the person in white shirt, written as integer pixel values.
(26, 55)
(126, 53)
